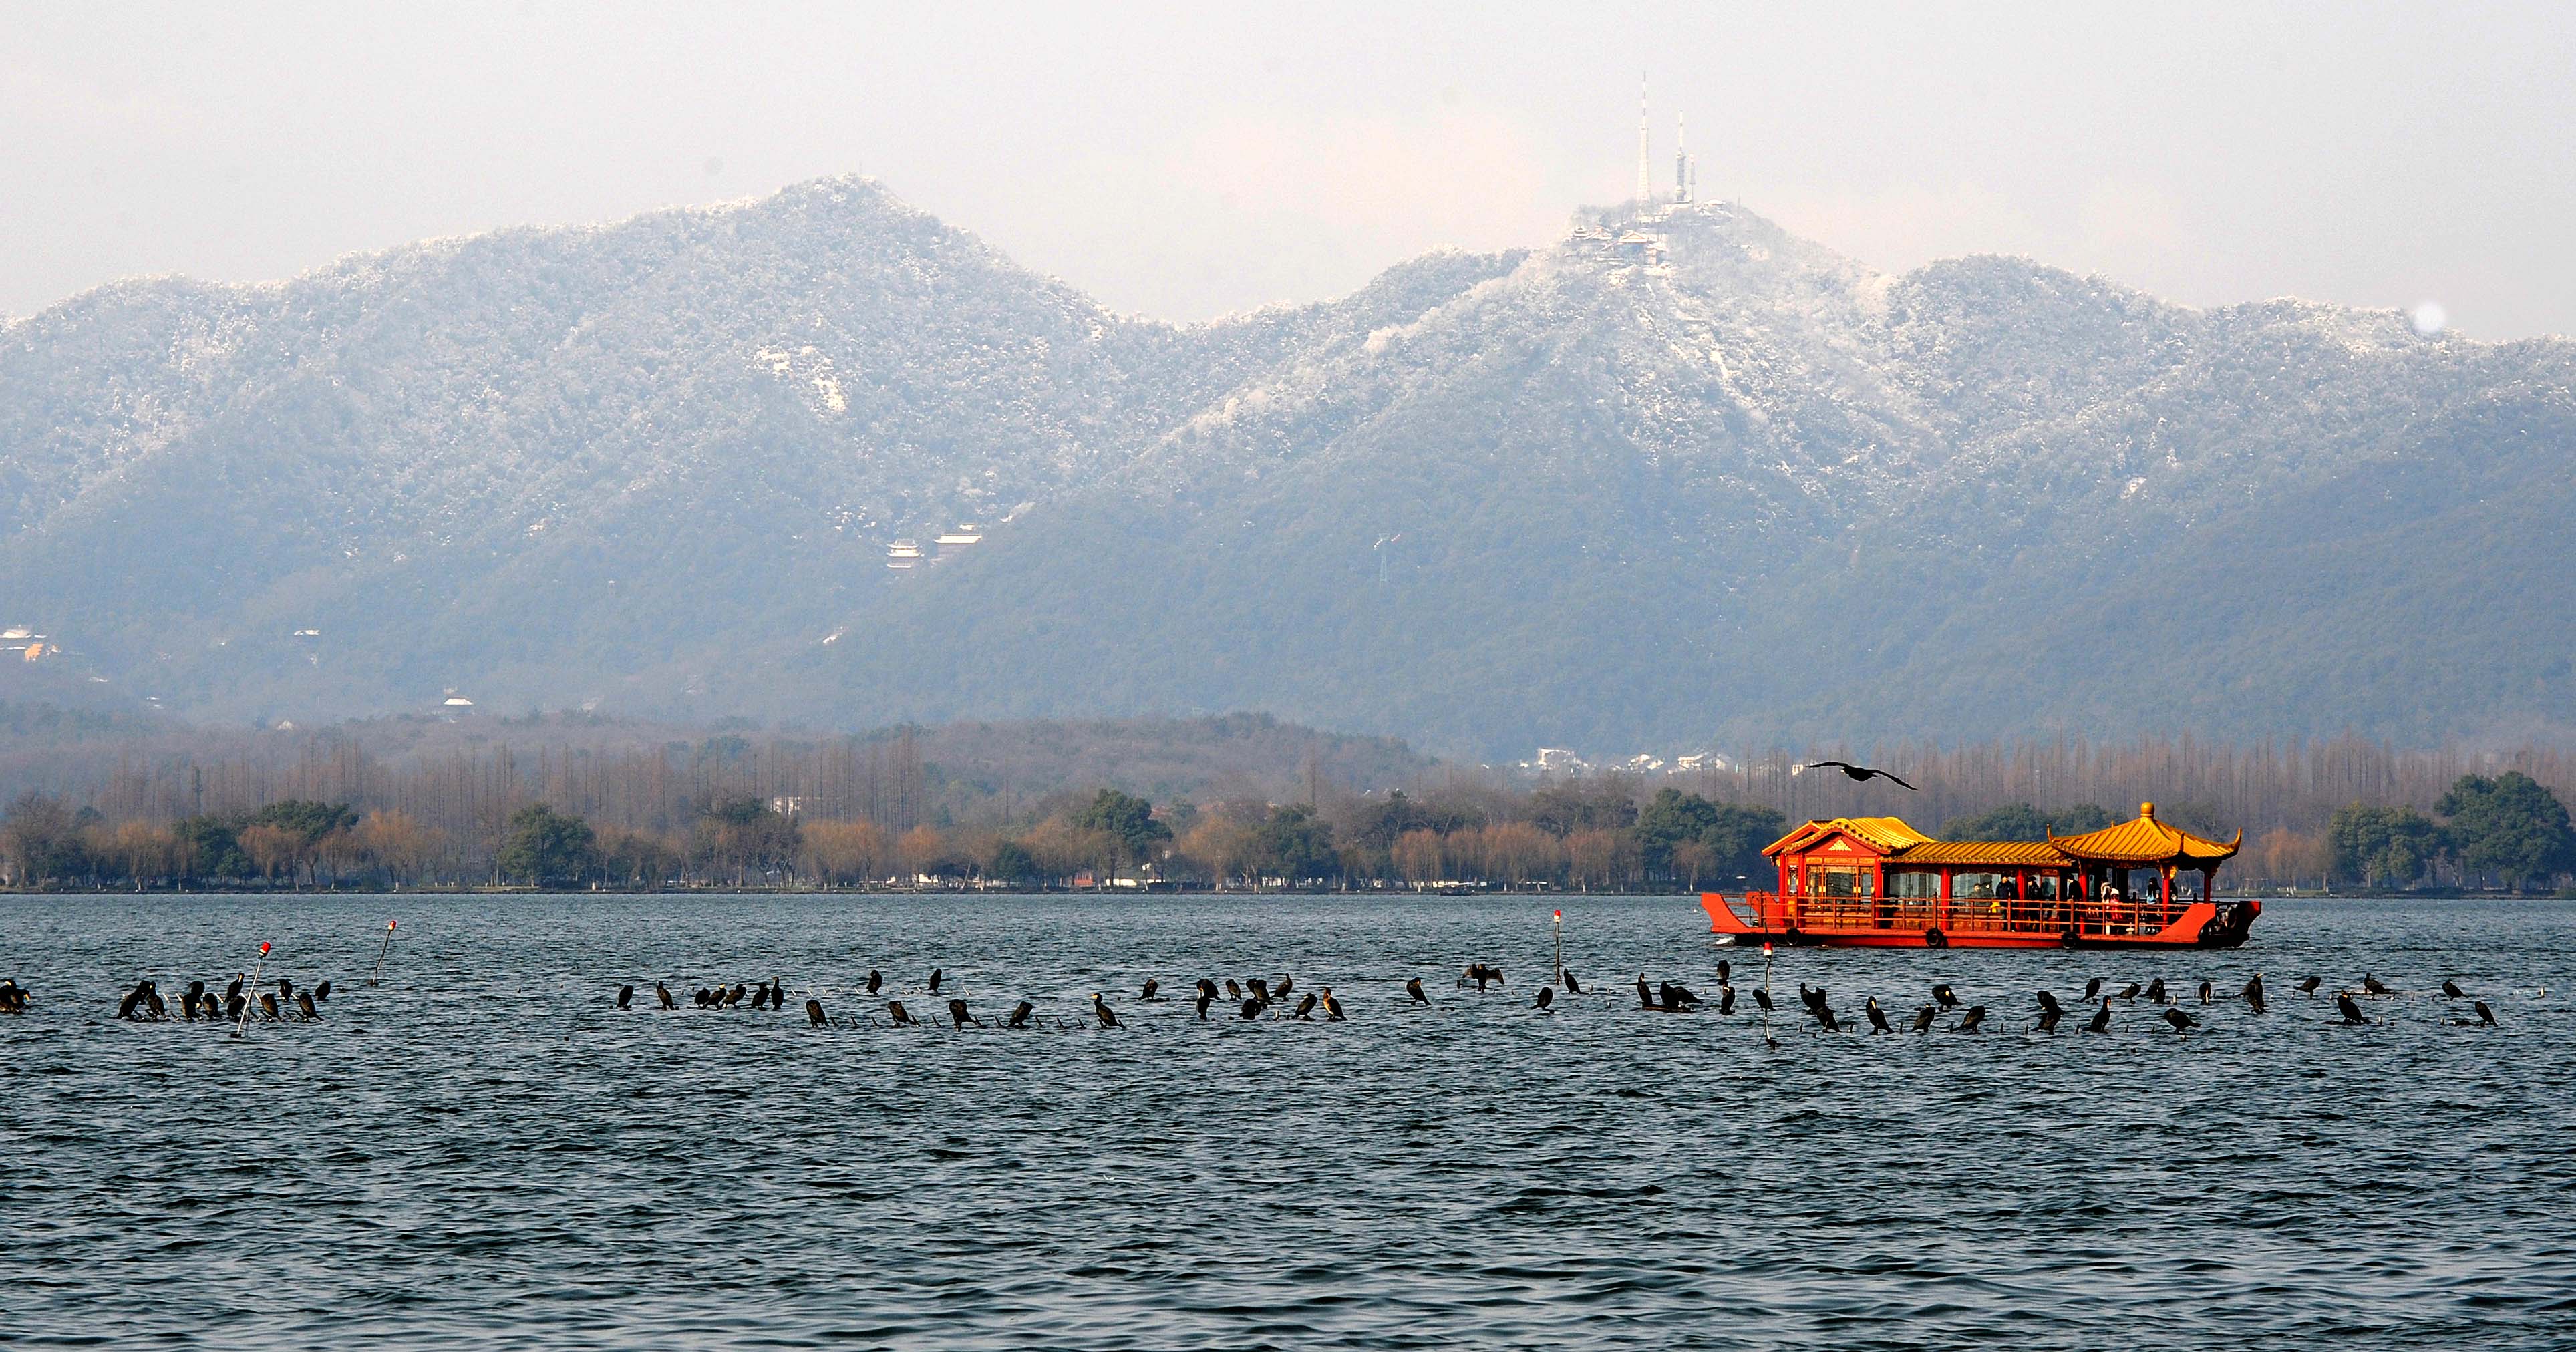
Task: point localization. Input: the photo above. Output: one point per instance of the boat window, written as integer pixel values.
(1974, 884)
(1827, 880)
(1914, 884)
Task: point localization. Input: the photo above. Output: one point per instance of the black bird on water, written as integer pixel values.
(958, 1017)
(234, 1007)
(1101, 1011)
(1332, 1006)
(2101, 1019)
(876, 980)
(1251, 1008)
(814, 1014)
(1572, 988)
(2308, 987)
(1413, 987)
(1725, 972)
(902, 1017)
(1943, 996)
(1480, 973)
(1972, 1020)
(2092, 990)
(322, 992)
(2208, 990)
(268, 1006)
(13, 997)
(2486, 1016)
(1260, 990)
(1763, 998)
(1020, 1013)
(1306, 1005)
(1677, 998)
(1725, 999)
(2351, 1012)
(2373, 985)
(2048, 1004)
(625, 996)
(1280, 991)
(1859, 774)
(2180, 1020)
(127, 1008)
(1207, 989)
(1546, 997)
(1207, 996)
(665, 993)
(1877, 1017)
(1232, 991)
(934, 981)
(2048, 1019)
(2253, 993)
(1151, 986)
(1645, 993)
(304, 1006)
(2452, 989)
(152, 1001)
(2156, 992)
(1923, 1018)
(734, 997)
(187, 999)
(2130, 992)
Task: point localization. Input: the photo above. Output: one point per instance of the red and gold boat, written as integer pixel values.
(1875, 881)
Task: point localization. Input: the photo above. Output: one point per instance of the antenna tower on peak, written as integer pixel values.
(1645, 160)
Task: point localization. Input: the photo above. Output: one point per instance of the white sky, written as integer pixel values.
(1191, 160)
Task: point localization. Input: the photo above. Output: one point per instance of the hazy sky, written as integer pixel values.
(1197, 159)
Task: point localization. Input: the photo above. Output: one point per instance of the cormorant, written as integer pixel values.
(1020, 1013)
(152, 1001)
(2101, 1019)
(1970, 1021)
(2351, 1012)
(2048, 1004)
(902, 1017)
(1856, 773)
(2373, 984)
(625, 996)
(814, 1014)
(268, 1006)
(304, 1006)
(1944, 997)
(1332, 1006)
(1572, 987)
(876, 980)
(1251, 1008)
(1726, 999)
(1151, 986)
(322, 993)
(2048, 1020)
(2092, 990)
(2308, 987)
(2452, 989)
(934, 981)
(1100, 1010)
(133, 1000)
(2130, 992)
(1645, 993)
(1206, 997)
(1232, 991)
(1260, 990)
(1280, 991)
(1306, 1006)
(1923, 1018)
(1877, 1017)
(1413, 987)
(2156, 991)
(2253, 992)
(1762, 997)
(1725, 973)
(957, 1016)
(665, 993)
(2486, 1016)
(1546, 997)
(2208, 989)
(2180, 1020)
(1207, 989)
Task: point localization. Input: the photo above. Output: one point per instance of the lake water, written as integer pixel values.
(484, 1151)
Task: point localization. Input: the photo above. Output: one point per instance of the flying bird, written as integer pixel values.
(1858, 773)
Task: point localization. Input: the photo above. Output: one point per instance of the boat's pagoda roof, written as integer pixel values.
(2129, 844)
(2145, 840)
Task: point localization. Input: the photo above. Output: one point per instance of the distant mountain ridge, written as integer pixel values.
(1677, 480)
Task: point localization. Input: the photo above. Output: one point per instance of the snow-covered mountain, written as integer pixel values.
(1674, 477)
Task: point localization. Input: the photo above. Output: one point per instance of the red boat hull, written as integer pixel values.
(1766, 918)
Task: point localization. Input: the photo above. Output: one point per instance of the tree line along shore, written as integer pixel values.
(1594, 833)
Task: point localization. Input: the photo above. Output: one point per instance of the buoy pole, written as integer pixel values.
(382, 950)
(1766, 993)
(250, 989)
(1559, 921)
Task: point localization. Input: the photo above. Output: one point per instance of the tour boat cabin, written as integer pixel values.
(1878, 881)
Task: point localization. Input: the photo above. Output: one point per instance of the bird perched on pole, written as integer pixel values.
(1857, 773)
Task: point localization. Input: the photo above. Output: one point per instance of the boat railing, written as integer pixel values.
(1772, 912)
